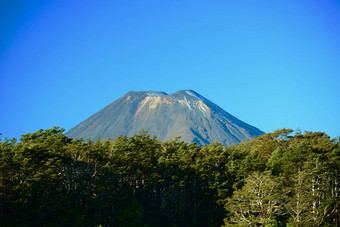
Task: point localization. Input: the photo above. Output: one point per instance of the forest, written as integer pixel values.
(283, 178)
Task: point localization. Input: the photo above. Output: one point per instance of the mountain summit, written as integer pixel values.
(184, 113)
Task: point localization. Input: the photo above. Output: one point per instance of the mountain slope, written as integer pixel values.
(184, 113)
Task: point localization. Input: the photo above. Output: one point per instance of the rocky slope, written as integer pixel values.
(184, 113)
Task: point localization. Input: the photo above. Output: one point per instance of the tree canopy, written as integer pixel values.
(278, 179)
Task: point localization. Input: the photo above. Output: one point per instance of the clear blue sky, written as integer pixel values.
(272, 64)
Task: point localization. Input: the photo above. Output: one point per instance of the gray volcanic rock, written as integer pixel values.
(184, 113)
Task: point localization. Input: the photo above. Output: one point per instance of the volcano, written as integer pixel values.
(185, 114)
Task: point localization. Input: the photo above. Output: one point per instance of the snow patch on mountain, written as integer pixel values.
(202, 108)
(187, 103)
(189, 92)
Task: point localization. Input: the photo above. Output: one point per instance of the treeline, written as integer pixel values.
(278, 179)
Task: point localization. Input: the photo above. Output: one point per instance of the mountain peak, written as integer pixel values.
(161, 93)
(184, 113)
(147, 93)
(188, 94)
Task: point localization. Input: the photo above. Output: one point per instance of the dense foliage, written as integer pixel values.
(278, 179)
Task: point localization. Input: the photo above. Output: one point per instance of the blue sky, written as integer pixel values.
(272, 64)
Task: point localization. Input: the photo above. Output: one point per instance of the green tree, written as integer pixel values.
(257, 203)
